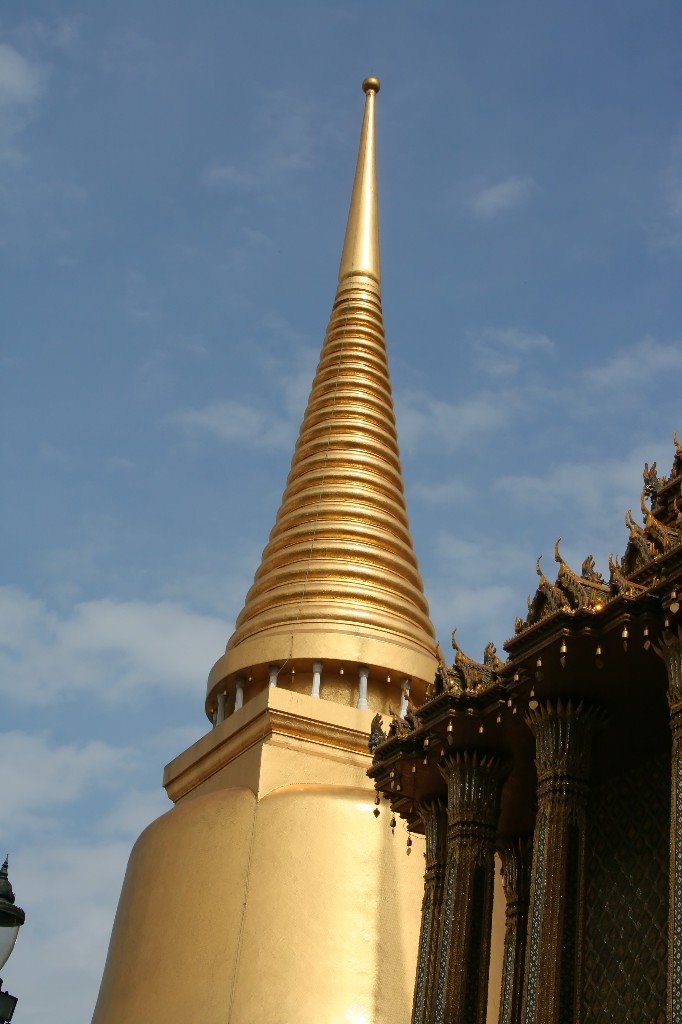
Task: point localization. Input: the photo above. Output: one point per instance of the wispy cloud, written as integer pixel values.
(423, 418)
(474, 589)
(232, 420)
(591, 491)
(21, 85)
(111, 649)
(638, 364)
(505, 195)
(271, 420)
(285, 143)
(135, 810)
(444, 492)
(500, 352)
(70, 947)
(46, 775)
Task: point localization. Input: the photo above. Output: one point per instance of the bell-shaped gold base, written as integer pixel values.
(270, 894)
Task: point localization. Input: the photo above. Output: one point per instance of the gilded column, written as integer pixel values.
(516, 860)
(670, 650)
(563, 745)
(434, 816)
(474, 782)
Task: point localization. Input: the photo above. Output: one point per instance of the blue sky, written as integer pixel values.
(174, 181)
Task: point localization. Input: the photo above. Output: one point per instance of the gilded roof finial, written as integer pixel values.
(361, 244)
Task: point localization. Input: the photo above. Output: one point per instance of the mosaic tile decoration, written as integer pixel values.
(626, 918)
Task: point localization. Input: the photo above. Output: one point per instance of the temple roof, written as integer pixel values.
(586, 642)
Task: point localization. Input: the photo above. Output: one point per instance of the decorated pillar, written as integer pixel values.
(516, 860)
(670, 650)
(563, 745)
(474, 782)
(435, 818)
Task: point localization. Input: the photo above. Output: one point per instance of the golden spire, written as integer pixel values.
(338, 582)
(361, 245)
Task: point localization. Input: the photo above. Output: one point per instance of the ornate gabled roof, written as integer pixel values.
(620, 584)
(570, 592)
(663, 536)
(586, 640)
(467, 676)
(637, 572)
(585, 591)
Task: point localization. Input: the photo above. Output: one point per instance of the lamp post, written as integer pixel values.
(11, 920)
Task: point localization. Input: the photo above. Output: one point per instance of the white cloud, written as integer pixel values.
(423, 418)
(444, 492)
(287, 138)
(500, 352)
(503, 196)
(69, 892)
(591, 497)
(475, 588)
(232, 420)
(20, 81)
(45, 775)
(136, 809)
(639, 364)
(21, 84)
(479, 560)
(474, 610)
(109, 648)
(272, 421)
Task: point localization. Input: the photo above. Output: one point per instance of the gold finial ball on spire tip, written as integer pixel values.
(371, 84)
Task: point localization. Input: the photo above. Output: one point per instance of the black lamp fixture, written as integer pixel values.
(11, 920)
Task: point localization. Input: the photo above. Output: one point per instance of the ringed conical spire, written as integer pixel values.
(338, 582)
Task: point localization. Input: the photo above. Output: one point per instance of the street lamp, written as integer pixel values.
(11, 920)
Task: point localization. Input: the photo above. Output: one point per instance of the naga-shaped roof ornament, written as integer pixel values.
(547, 600)
(638, 551)
(677, 462)
(589, 572)
(469, 676)
(619, 582)
(585, 591)
(662, 536)
(652, 481)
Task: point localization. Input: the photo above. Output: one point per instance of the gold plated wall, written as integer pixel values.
(290, 904)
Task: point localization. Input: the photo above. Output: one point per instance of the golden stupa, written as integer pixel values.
(256, 899)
